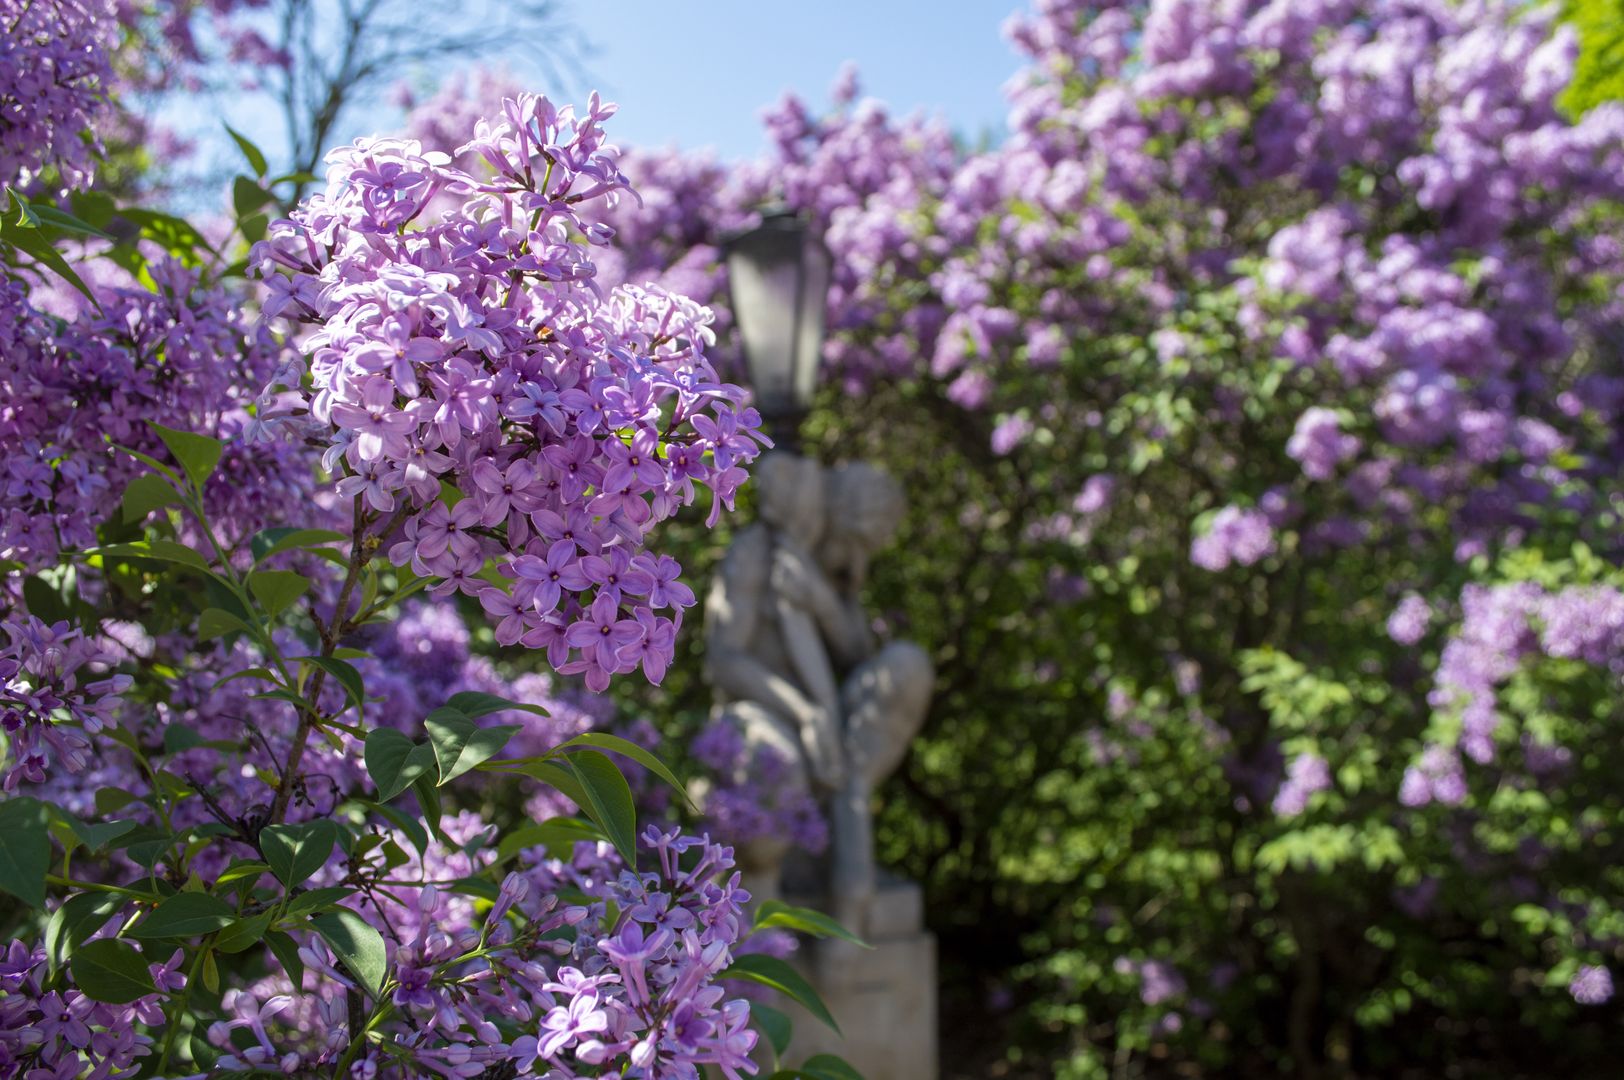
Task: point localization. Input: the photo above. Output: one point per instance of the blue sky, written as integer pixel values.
(698, 72)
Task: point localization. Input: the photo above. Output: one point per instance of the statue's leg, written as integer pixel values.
(884, 700)
(851, 814)
(761, 858)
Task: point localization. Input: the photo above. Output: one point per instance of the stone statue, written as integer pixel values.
(795, 664)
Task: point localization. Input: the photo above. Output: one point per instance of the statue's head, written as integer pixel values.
(865, 506)
(790, 494)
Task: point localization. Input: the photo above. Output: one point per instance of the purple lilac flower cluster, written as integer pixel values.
(1503, 628)
(1307, 775)
(56, 691)
(75, 396)
(474, 352)
(54, 80)
(624, 982)
(61, 1035)
(747, 798)
(1237, 536)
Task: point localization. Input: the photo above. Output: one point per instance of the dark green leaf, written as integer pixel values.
(51, 216)
(185, 915)
(253, 154)
(615, 744)
(247, 196)
(473, 704)
(145, 494)
(286, 951)
(558, 835)
(46, 600)
(30, 241)
(175, 235)
(410, 826)
(460, 744)
(79, 916)
(197, 454)
(178, 737)
(774, 1024)
(110, 970)
(394, 761)
(317, 900)
(98, 835)
(275, 541)
(357, 945)
(242, 871)
(244, 933)
(277, 590)
(294, 852)
(829, 1067)
(161, 550)
(773, 972)
(25, 849)
(110, 800)
(609, 800)
(343, 671)
(777, 914)
(215, 622)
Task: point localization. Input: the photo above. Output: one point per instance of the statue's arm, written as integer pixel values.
(732, 620)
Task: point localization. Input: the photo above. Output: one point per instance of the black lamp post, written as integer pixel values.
(778, 273)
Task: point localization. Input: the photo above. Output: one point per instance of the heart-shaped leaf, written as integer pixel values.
(294, 852)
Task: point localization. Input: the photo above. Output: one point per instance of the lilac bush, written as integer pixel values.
(1258, 397)
(272, 805)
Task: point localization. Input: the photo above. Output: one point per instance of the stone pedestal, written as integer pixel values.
(884, 998)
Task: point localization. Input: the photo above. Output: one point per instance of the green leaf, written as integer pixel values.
(145, 494)
(460, 744)
(829, 1067)
(242, 871)
(774, 1024)
(247, 196)
(286, 951)
(253, 154)
(394, 761)
(215, 622)
(473, 704)
(341, 670)
(294, 852)
(161, 550)
(275, 541)
(558, 835)
(277, 590)
(60, 219)
(773, 972)
(99, 835)
(244, 933)
(110, 970)
(50, 602)
(775, 914)
(79, 916)
(317, 900)
(178, 737)
(615, 744)
(410, 826)
(296, 178)
(25, 849)
(22, 232)
(197, 454)
(111, 800)
(175, 235)
(185, 915)
(608, 800)
(357, 945)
